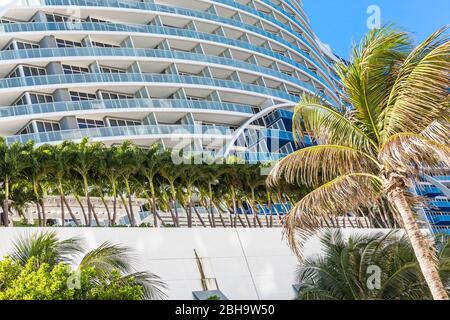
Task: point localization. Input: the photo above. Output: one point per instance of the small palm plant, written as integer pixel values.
(366, 267)
(397, 129)
(103, 263)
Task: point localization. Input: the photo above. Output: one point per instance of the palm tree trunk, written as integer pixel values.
(38, 210)
(44, 214)
(82, 210)
(94, 213)
(88, 198)
(63, 218)
(114, 217)
(220, 214)
(155, 213)
(130, 201)
(174, 218)
(246, 216)
(200, 217)
(421, 246)
(102, 197)
(70, 211)
(6, 203)
(125, 205)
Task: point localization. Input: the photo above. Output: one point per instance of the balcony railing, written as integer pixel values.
(68, 106)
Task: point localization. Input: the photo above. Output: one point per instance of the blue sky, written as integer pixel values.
(342, 22)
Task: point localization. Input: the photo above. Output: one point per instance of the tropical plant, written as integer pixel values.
(366, 267)
(397, 129)
(40, 267)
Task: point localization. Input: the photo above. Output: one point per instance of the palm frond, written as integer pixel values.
(329, 126)
(344, 194)
(108, 257)
(368, 79)
(46, 248)
(316, 165)
(420, 93)
(438, 131)
(152, 285)
(412, 154)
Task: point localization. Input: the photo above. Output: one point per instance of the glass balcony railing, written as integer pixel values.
(146, 53)
(159, 30)
(68, 106)
(140, 78)
(192, 13)
(121, 133)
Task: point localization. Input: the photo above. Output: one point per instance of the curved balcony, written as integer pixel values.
(155, 132)
(190, 13)
(162, 31)
(145, 54)
(126, 105)
(142, 79)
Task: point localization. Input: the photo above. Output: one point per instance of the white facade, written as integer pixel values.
(245, 263)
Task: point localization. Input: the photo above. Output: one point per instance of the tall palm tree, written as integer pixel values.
(13, 160)
(45, 247)
(130, 159)
(37, 172)
(397, 129)
(345, 270)
(59, 167)
(85, 156)
(152, 161)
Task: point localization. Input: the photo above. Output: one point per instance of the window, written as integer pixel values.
(15, 73)
(89, 123)
(21, 101)
(95, 20)
(26, 45)
(68, 69)
(28, 129)
(51, 17)
(192, 98)
(104, 45)
(40, 98)
(47, 126)
(81, 96)
(116, 96)
(295, 94)
(111, 70)
(10, 47)
(6, 21)
(61, 43)
(279, 125)
(30, 71)
(124, 123)
(288, 73)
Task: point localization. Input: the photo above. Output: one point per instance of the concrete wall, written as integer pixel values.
(245, 263)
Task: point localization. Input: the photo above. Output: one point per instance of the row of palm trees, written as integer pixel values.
(122, 173)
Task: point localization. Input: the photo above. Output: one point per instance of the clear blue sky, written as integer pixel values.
(342, 22)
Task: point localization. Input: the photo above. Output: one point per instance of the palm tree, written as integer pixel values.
(37, 172)
(59, 167)
(13, 160)
(130, 160)
(397, 129)
(346, 268)
(152, 161)
(84, 157)
(45, 247)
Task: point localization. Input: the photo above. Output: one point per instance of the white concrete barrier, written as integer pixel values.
(244, 263)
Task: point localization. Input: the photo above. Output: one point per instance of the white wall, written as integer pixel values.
(247, 263)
